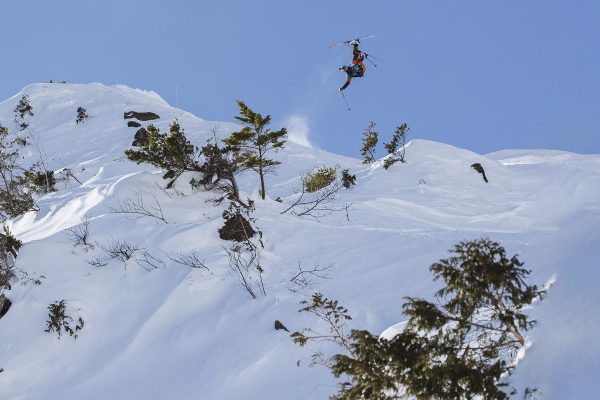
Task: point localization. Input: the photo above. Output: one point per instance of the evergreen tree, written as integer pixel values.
(172, 152)
(459, 347)
(252, 143)
(15, 199)
(39, 181)
(348, 180)
(219, 170)
(370, 139)
(58, 320)
(319, 179)
(22, 110)
(396, 146)
(81, 115)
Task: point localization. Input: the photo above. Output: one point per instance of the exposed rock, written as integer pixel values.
(140, 138)
(236, 228)
(141, 116)
(133, 124)
(477, 167)
(5, 304)
(279, 325)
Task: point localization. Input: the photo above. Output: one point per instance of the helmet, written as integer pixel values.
(354, 42)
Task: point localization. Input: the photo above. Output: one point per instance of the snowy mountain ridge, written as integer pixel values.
(175, 332)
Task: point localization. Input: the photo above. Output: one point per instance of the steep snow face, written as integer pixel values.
(173, 332)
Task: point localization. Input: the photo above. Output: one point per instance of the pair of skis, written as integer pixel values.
(347, 42)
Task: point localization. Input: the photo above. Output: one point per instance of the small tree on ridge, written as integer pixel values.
(251, 144)
(370, 139)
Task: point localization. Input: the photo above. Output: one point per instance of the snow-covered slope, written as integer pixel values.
(181, 333)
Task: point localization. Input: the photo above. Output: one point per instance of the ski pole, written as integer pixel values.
(345, 101)
(369, 60)
(372, 56)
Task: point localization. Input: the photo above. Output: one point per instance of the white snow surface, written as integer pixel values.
(182, 333)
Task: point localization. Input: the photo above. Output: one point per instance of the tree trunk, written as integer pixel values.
(236, 191)
(262, 183)
(261, 173)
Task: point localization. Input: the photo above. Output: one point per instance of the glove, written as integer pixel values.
(340, 89)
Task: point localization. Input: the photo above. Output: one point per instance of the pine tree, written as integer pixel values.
(59, 321)
(348, 180)
(15, 199)
(396, 146)
(459, 347)
(370, 139)
(219, 170)
(172, 152)
(252, 143)
(22, 110)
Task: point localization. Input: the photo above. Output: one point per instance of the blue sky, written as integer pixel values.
(483, 75)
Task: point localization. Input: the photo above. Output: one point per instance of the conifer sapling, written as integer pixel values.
(251, 144)
(370, 139)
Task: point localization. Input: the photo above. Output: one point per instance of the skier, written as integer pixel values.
(357, 69)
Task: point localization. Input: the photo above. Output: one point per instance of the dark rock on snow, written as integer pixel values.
(477, 167)
(5, 304)
(279, 325)
(141, 116)
(140, 138)
(236, 228)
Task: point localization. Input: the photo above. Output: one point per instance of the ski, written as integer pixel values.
(348, 41)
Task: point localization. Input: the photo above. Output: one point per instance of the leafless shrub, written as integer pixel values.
(120, 250)
(66, 174)
(97, 262)
(166, 191)
(147, 261)
(305, 278)
(244, 261)
(318, 204)
(117, 250)
(80, 233)
(191, 259)
(137, 208)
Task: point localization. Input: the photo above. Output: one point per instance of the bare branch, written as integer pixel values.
(318, 204)
(191, 259)
(97, 262)
(137, 208)
(35, 142)
(147, 260)
(305, 278)
(244, 261)
(66, 174)
(80, 234)
(116, 249)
